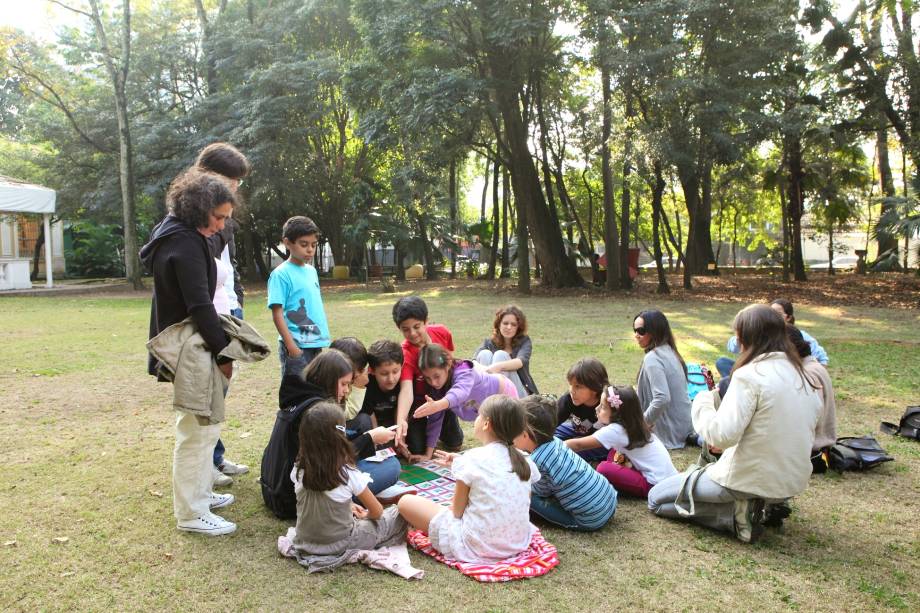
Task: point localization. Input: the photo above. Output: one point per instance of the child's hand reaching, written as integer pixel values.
(358, 511)
(381, 435)
(619, 458)
(444, 458)
(430, 407)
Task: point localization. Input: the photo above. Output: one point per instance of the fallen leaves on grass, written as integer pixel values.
(10, 544)
(155, 493)
(61, 539)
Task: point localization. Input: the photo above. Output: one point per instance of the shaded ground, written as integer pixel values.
(894, 290)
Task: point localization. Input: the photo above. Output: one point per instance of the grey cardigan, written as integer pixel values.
(662, 390)
(522, 351)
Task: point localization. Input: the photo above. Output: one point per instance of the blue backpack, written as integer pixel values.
(699, 378)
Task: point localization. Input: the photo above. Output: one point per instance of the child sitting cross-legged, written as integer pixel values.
(576, 411)
(570, 493)
(325, 481)
(629, 441)
(488, 519)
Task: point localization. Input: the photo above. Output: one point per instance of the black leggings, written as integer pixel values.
(451, 434)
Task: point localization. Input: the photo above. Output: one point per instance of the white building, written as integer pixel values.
(18, 202)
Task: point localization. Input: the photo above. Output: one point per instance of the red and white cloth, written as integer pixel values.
(537, 560)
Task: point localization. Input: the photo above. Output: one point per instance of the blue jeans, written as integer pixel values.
(724, 365)
(487, 358)
(295, 366)
(565, 431)
(219, 453)
(384, 473)
(553, 512)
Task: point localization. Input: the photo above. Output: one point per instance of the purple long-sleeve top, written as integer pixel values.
(469, 387)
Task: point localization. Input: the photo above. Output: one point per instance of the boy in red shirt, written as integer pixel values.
(417, 437)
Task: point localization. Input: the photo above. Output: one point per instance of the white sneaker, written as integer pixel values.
(217, 501)
(210, 524)
(229, 468)
(220, 479)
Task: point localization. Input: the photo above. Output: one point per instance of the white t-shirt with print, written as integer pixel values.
(652, 459)
(357, 483)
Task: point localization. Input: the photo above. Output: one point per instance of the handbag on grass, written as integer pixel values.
(856, 453)
(909, 426)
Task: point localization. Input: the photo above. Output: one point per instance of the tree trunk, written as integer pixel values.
(796, 204)
(523, 250)
(830, 248)
(787, 229)
(430, 273)
(119, 76)
(887, 242)
(544, 155)
(558, 269)
(400, 265)
(611, 234)
(452, 197)
(493, 252)
(657, 194)
(506, 207)
(485, 190)
(37, 252)
(625, 200)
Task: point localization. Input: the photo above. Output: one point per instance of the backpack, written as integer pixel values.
(856, 453)
(699, 379)
(909, 426)
(278, 461)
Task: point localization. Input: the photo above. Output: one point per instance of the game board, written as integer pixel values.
(430, 480)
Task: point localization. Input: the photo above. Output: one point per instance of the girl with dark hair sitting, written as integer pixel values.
(628, 440)
(662, 381)
(325, 482)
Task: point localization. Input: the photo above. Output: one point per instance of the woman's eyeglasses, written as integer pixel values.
(640, 331)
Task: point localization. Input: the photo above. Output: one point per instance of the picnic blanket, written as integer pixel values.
(538, 559)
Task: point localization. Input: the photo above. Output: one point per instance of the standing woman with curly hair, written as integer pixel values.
(179, 257)
(507, 351)
(662, 385)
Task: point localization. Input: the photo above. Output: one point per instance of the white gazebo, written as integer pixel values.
(17, 198)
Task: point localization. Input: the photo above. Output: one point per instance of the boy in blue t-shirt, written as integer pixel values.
(295, 301)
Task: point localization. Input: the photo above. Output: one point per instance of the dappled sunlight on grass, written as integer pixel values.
(88, 442)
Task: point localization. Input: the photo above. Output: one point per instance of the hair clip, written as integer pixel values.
(340, 428)
(613, 399)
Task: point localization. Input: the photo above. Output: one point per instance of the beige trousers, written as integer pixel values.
(192, 465)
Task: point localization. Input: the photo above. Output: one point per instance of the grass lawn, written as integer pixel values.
(87, 442)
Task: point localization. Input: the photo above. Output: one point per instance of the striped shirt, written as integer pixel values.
(581, 490)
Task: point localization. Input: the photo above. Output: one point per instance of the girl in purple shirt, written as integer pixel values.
(457, 385)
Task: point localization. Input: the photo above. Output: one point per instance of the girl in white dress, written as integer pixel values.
(489, 518)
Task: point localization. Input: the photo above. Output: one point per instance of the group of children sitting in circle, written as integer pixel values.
(757, 432)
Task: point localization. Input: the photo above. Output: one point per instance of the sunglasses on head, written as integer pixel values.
(640, 330)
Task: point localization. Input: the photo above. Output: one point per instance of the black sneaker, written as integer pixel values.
(775, 514)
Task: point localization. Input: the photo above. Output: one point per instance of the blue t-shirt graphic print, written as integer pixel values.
(296, 289)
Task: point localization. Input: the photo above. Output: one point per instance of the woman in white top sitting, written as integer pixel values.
(765, 424)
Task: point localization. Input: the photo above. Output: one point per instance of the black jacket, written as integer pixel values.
(295, 396)
(184, 279)
(294, 391)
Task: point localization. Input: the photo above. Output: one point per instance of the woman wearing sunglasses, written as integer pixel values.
(662, 384)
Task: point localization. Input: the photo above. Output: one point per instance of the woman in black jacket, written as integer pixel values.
(184, 278)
